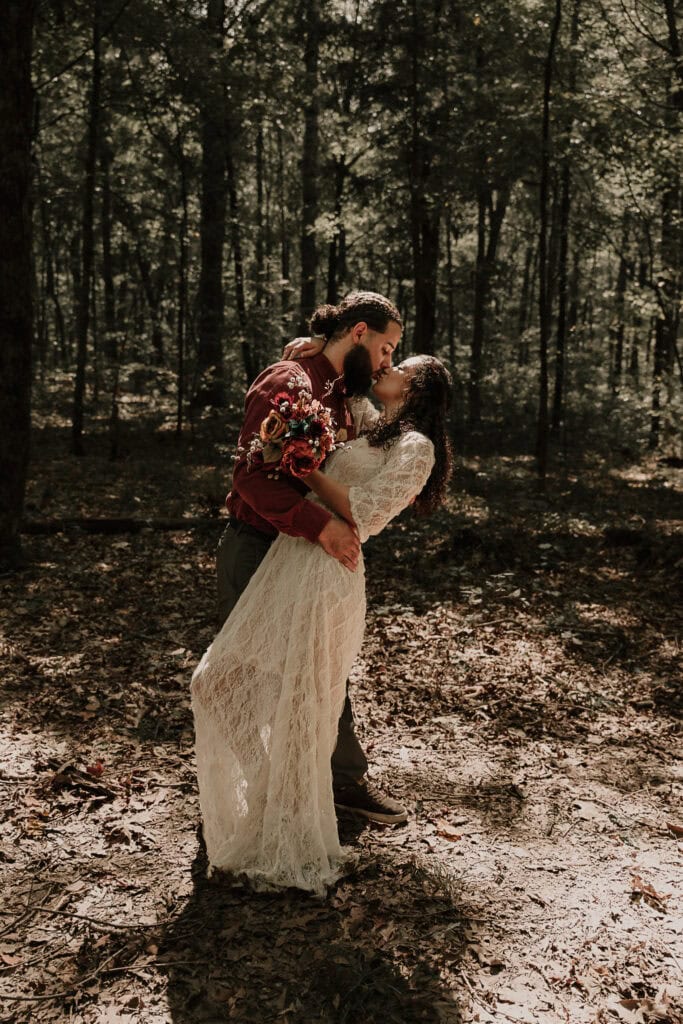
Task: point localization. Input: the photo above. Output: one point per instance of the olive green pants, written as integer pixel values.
(240, 552)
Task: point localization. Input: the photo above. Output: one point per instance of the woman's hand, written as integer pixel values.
(301, 347)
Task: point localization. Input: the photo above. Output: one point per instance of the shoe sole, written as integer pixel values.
(382, 819)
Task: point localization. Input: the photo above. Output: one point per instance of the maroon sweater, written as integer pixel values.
(280, 505)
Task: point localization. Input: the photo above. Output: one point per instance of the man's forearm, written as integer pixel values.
(281, 504)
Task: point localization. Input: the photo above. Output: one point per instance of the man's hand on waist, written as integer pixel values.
(341, 541)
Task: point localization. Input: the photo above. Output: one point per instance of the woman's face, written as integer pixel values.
(393, 383)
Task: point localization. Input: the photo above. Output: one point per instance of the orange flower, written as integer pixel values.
(272, 428)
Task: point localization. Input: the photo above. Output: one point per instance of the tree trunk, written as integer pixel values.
(562, 288)
(260, 246)
(50, 283)
(565, 208)
(424, 214)
(671, 238)
(618, 327)
(16, 319)
(110, 339)
(450, 285)
(151, 294)
(285, 288)
(309, 162)
(334, 252)
(210, 382)
(544, 311)
(87, 236)
(182, 288)
(487, 248)
(236, 239)
(478, 312)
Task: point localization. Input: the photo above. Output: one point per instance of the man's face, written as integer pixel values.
(370, 356)
(381, 346)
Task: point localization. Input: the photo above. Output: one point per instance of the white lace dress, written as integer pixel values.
(268, 693)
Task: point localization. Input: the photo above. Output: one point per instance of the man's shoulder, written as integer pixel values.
(281, 372)
(283, 375)
(312, 373)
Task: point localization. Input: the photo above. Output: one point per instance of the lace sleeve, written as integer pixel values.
(402, 477)
(365, 415)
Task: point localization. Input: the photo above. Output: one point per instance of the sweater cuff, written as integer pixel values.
(311, 520)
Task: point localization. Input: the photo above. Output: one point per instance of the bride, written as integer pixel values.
(268, 692)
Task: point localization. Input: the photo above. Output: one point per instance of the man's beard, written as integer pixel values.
(357, 371)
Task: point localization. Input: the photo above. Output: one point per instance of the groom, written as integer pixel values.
(261, 505)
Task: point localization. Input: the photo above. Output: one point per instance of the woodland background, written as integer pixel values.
(203, 174)
(180, 184)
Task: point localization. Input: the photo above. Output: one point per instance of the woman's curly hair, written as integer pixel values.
(334, 321)
(424, 410)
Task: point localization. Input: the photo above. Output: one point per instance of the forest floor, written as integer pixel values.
(519, 688)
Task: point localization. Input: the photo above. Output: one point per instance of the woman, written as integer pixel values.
(268, 693)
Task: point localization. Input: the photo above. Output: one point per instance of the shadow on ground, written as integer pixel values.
(361, 955)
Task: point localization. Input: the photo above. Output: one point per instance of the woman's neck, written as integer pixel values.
(390, 410)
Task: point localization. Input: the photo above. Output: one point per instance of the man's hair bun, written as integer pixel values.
(369, 307)
(325, 321)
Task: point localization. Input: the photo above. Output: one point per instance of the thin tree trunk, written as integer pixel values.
(450, 286)
(285, 289)
(110, 339)
(309, 162)
(182, 289)
(16, 314)
(424, 216)
(524, 302)
(544, 310)
(619, 327)
(671, 238)
(152, 303)
(260, 247)
(210, 382)
(562, 289)
(87, 236)
(487, 248)
(50, 283)
(236, 239)
(565, 208)
(658, 364)
(333, 261)
(478, 312)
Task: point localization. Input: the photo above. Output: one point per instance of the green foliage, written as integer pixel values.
(421, 105)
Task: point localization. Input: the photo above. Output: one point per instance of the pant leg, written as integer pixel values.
(240, 552)
(349, 763)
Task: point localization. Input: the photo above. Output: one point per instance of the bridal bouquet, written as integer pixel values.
(296, 435)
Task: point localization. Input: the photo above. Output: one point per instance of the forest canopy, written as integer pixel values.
(204, 174)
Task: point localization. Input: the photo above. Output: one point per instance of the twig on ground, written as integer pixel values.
(104, 925)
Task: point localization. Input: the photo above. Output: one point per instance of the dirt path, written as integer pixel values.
(519, 688)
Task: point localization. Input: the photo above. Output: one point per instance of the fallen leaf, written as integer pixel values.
(649, 893)
(446, 831)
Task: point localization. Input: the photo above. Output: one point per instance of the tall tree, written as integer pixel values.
(564, 212)
(309, 159)
(16, 322)
(87, 233)
(210, 388)
(544, 310)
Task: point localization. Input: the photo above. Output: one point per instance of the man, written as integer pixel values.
(362, 333)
